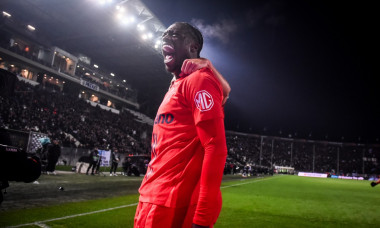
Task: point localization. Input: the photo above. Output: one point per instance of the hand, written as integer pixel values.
(198, 226)
(191, 65)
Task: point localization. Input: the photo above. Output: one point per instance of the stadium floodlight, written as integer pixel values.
(120, 16)
(150, 35)
(144, 36)
(128, 20)
(96, 66)
(140, 27)
(120, 8)
(31, 28)
(157, 44)
(6, 14)
(132, 19)
(124, 80)
(112, 74)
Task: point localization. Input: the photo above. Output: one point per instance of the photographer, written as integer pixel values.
(53, 154)
(42, 152)
(115, 158)
(94, 159)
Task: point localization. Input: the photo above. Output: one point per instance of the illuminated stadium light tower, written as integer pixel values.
(149, 26)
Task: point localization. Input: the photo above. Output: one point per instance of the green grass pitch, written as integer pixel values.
(278, 201)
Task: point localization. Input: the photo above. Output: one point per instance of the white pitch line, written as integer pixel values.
(249, 182)
(42, 225)
(73, 216)
(39, 223)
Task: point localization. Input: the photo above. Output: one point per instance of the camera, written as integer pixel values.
(17, 165)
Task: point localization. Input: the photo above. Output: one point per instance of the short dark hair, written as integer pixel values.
(195, 34)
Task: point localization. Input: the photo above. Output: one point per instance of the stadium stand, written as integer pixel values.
(70, 119)
(79, 125)
(350, 159)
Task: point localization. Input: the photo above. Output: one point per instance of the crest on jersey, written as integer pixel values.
(203, 100)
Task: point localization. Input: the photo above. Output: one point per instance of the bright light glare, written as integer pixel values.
(96, 66)
(112, 74)
(150, 35)
(140, 27)
(129, 20)
(31, 28)
(102, 2)
(6, 14)
(144, 37)
(119, 16)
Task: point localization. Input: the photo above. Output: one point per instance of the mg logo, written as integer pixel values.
(203, 100)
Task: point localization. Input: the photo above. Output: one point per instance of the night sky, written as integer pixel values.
(304, 69)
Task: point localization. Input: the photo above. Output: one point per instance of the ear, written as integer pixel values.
(194, 48)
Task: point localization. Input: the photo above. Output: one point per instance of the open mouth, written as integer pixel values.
(168, 52)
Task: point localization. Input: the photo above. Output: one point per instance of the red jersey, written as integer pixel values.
(173, 174)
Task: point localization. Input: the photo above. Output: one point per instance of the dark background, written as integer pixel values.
(296, 68)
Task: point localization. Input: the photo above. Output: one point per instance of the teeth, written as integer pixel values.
(168, 58)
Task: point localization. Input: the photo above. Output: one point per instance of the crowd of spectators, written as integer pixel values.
(318, 156)
(73, 121)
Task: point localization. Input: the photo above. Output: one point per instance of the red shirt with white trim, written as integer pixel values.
(173, 174)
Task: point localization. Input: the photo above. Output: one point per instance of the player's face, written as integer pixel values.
(175, 47)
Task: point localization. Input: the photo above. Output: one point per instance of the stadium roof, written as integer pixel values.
(119, 36)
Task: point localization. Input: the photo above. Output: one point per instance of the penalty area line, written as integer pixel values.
(249, 182)
(73, 216)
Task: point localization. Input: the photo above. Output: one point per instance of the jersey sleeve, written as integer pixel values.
(204, 94)
(213, 139)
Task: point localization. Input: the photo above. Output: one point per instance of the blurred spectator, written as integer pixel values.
(53, 154)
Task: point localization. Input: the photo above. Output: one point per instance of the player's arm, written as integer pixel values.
(212, 137)
(191, 65)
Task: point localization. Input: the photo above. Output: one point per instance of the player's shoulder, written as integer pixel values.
(201, 76)
(204, 72)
